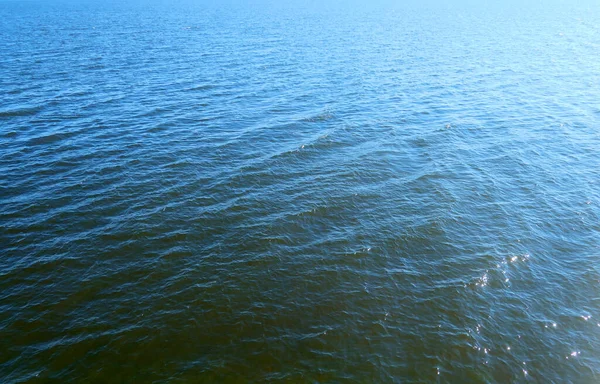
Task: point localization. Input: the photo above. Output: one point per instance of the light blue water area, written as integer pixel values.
(312, 191)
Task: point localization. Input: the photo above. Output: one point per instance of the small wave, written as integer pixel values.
(46, 139)
(204, 87)
(10, 134)
(93, 67)
(316, 144)
(156, 112)
(20, 112)
(324, 116)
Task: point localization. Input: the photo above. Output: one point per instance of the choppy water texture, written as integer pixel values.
(321, 193)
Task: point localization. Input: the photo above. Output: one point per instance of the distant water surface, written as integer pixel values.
(324, 192)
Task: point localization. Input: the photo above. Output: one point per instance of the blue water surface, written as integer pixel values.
(306, 191)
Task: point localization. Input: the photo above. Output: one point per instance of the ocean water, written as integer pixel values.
(308, 192)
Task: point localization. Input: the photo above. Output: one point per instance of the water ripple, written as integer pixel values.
(201, 192)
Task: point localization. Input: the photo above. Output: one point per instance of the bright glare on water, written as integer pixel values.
(305, 192)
